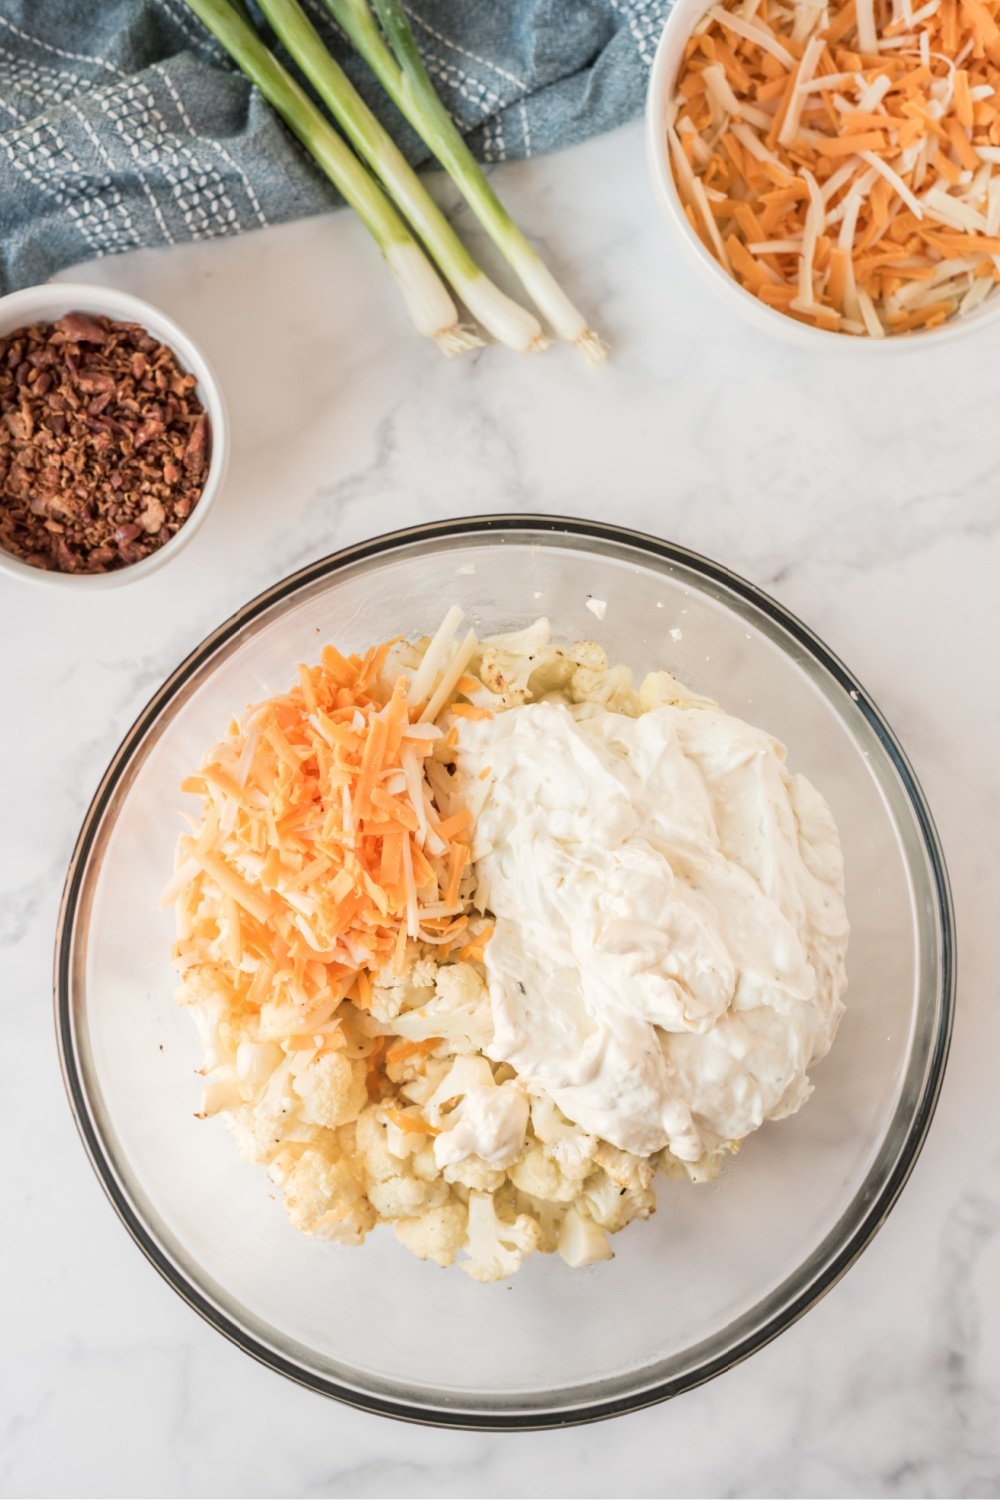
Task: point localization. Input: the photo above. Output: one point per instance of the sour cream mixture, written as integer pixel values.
(668, 959)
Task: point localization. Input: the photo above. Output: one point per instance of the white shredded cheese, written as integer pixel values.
(756, 147)
(993, 207)
(815, 217)
(872, 95)
(704, 207)
(829, 81)
(815, 48)
(755, 34)
(718, 86)
(867, 34)
(776, 247)
(953, 212)
(979, 290)
(894, 180)
(843, 175)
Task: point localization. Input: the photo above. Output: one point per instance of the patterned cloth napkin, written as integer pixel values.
(124, 123)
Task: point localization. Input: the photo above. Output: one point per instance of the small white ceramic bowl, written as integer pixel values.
(682, 20)
(44, 304)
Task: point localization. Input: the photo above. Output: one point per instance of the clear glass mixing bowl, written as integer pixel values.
(719, 1270)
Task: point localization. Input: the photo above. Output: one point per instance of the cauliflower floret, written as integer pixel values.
(394, 1188)
(422, 1162)
(475, 1174)
(393, 993)
(507, 662)
(399, 1142)
(261, 1124)
(209, 1010)
(402, 661)
(628, 1171)
(206, 984)
(537, 1174)
(280, 1017)
(706, 1169)
(505, 678)
(573, 1153)
(222, 1091)
(464, 1076)
(255, 1063)
(547, 1119)
(325, 1197)
(611, 688)
(402, 1196)
(372, 1144)
(569, 1147)
(459, 984)
(488, 1123)
(661, 690)
(332, 1090)
(418, 1077)
(550, 674)
(495, 1249)
(589, 655)
(546, 1214)
(458, 1011)
(581, 1241)
(614, 1206)
(438, 1234)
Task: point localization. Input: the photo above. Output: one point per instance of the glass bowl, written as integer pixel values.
(719, 1270)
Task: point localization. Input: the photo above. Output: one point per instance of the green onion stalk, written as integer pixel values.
(428, 300)
(395, 60)
(499, 314)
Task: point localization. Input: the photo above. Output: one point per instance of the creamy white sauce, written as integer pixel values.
(489, 1123)
(668, 959)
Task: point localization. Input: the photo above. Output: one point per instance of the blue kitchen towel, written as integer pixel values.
(124, 123)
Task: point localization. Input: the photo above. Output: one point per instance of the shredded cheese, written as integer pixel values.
(842, 160)
(320, 847)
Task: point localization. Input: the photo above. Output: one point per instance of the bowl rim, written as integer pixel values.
(870, 1219)
(683, 16)
(94, 297)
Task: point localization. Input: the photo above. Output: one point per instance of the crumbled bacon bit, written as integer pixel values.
(104, 445)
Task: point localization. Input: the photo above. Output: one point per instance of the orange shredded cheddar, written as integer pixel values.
(470, 711)
(321, 843)
(400, 1050)
(845, 163)
(476, 948)
(411, 1124)
(375, 1078)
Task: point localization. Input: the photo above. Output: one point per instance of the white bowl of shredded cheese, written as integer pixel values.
(637, 774)
(665, 160)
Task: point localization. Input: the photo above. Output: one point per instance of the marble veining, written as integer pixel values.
(861, 492)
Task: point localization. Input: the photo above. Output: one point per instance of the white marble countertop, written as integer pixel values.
(862, 493)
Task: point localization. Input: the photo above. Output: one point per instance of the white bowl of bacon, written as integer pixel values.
(835, 169)
(114, 438)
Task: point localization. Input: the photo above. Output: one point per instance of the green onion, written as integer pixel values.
(498, 313)
(427, 298)
(400, 69)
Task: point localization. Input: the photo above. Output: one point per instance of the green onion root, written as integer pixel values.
(499, 314)
(428, 301)
(395, 59)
